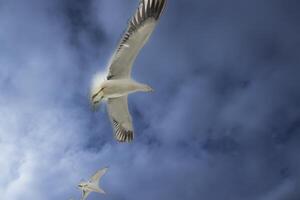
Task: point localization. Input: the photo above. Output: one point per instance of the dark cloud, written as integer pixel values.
(223, 122)
(85, 33)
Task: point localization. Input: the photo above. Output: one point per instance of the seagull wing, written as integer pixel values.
(121, 119)
(96, 177)
(85, 194)
(137, 34)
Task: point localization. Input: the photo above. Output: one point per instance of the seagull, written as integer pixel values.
(118, 83)
(93, 184)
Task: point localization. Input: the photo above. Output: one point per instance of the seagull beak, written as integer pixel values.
(96, 104)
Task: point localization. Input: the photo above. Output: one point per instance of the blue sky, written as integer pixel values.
(223, 123)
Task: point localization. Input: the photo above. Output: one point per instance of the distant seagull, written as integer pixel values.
(92, 185)
(118, 83)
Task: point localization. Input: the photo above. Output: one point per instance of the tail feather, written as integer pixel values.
(99, 190)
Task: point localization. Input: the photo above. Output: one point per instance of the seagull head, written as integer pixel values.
(82, 185)
(96, 94)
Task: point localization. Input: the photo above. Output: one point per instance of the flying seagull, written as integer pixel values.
(118, 83)
(93, 184)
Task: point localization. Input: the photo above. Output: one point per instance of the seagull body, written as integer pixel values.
(92, 185)
(118, 88)
(118, 83)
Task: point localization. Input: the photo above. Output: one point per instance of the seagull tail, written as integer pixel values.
(100, 190)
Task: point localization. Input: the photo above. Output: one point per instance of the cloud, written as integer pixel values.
(222, 123)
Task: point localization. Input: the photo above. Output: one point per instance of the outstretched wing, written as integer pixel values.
(85, 194)
(121, 119)
(96, 177)
(137, 34)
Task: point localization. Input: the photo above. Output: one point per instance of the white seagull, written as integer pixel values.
(93, 184)
(118, 83)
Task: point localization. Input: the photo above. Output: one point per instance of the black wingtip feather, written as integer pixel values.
(124, 136)
(152, 8)
(121, 134)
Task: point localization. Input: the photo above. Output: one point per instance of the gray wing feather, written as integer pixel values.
(121, 119)
(96, 177)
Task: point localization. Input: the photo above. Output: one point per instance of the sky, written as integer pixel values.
(223, 122)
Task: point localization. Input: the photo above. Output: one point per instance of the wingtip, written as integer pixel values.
(105, 169)
(124, 136)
